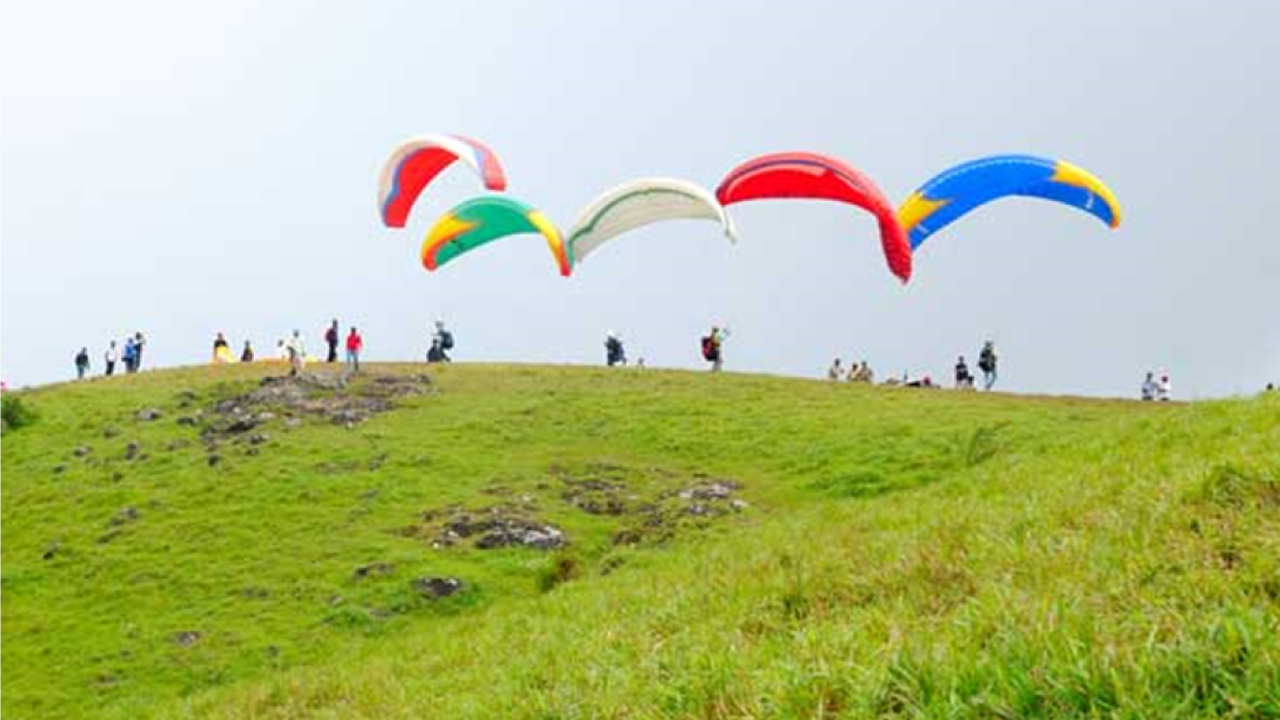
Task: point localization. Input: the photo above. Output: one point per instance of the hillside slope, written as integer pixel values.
(506, 541)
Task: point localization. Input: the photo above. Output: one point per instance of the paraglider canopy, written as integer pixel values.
(958, 191)
(416, 162)
(482, 220)
(819, 177)
(638, 203)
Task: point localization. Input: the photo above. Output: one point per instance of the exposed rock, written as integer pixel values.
(214, 459)
(188, 421)
(434, 588)
(149, 414)
(493, 527)
(374, 569)
(51, 551)
(258, 438)
(131, 450)
(332, 397)
(82, 451)
(125, 516)
(110, 431)
(712, 490)
(187, 638)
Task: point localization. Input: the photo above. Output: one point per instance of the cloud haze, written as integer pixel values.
(189, 168)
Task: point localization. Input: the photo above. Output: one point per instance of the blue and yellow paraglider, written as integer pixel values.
(953, 194)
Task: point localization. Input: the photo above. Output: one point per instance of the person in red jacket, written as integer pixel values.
(355, 344)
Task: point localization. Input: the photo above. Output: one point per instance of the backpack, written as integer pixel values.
(446, 340)
(708, 348)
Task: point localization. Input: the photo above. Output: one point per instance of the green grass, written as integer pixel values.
(905, 553)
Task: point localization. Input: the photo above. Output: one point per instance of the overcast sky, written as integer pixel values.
(185, 168)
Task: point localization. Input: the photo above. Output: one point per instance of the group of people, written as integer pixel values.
(1157, 389)
(293, 350)
(858, 372)
(441, 344)
(964, 379)
(988, 360)
(130, 356)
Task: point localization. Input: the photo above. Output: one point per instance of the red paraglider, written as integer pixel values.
(819, 177)
(416, 162)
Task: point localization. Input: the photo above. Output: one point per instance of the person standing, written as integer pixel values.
(331, 339)
(221, 350)
(355, 344)
(130, 355)
(987, 362)
(713, 348)
(297, 354)
(109, 359)
(139, 342)
(1164, 388)
(82, 363)
(614, 353)
(246, 355)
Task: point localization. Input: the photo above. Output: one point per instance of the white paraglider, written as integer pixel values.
(639, 203)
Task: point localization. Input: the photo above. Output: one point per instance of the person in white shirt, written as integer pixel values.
(110, 357)
(297, 353)
(1164, 389)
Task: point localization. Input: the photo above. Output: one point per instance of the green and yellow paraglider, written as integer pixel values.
(482, 220)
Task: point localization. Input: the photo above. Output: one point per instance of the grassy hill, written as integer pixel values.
(535, 542)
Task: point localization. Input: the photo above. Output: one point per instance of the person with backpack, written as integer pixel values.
(82, 363)
(441, 344)
(614, 353)
(355, 344)
(109, 359)
(331, 339)
(987, 361)
(713, 348)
